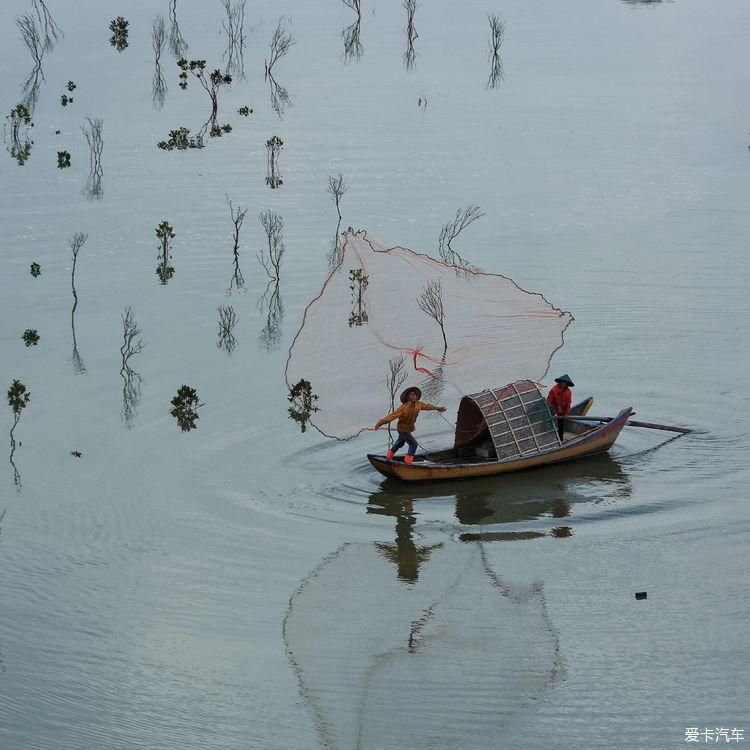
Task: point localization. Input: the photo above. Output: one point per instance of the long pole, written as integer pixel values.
(630, 423)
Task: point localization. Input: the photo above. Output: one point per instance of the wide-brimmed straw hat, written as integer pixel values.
(565, 379)
(405, 394)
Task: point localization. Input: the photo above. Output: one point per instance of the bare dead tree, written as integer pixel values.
(497, 30)
(410, 56)
(234, 25)
(159, 83)
(238, 217)
(271, 256)
(176, 43)
(227, 321)
(464, 218)
(93, 132)
(52, 32)
(281, 42)
(132, 344)
(355, 5)
(430, 301)
(353, 49)
(31, 37)
(272, 307)
(76, 242)
(337, 188)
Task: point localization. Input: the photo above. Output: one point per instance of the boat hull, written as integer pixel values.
(596, 440)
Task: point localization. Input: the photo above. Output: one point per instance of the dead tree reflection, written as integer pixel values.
(31, 36)
(93, 132)
(234, 25)
(352, 46)
(394, 380)
(176, 42)
(76, 242)
(159, 83)
(132, 344)
(270, 258)
(165, 234)
(497, 30)
(336, 188)
(410, 56)
(450, 231)
(358, 283)
(227, 321)
(281, 42)
(238, 217)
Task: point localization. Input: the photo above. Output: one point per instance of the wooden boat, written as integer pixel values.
(503, 430)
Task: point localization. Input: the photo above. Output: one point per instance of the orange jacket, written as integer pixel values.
(407, 415)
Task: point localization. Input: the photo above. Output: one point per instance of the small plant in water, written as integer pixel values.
(76, 454)
(244, 111)
(358, 282)
(303, 401)
(36, 269)
(166, 234)
(180, 139)
(71, 86)
(185, 408)
(30, 337)
(20, 122)
(273, 148)
(63, 159)
(65, 100)
(119, 29)
(18, 398)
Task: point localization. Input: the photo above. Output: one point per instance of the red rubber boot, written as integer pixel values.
(408, 459)
(389, 454)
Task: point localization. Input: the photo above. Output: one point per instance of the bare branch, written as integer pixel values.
(464, 218)
(497, 30)
(270, 258)
(337, 188)
(430, 301)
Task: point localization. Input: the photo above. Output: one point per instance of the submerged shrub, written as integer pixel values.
(30, 337)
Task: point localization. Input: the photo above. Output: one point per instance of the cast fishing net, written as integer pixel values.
(428, 649)
(367, 336)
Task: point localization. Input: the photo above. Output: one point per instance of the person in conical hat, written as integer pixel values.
(558, 400)
(407, 415)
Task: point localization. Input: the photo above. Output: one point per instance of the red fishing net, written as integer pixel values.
(375, 328)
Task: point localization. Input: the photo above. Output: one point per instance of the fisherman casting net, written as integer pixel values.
(387, 318)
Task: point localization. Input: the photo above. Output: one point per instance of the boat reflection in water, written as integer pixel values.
(368, 646)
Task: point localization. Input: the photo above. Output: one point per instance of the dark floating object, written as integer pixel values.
(30, 337)
(36, 269)
(71, 86)
(65, 100)
(119, 29)
(63, 159)
(185, 408)
(76, 454)
(641, 595)
(244, 111)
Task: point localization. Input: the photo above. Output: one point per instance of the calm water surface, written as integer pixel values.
(244, 585)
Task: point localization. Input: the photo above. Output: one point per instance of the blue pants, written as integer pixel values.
(403, 438)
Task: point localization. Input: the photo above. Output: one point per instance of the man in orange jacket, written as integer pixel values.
(558, 400)
(407, 417)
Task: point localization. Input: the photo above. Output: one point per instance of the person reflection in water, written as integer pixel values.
(558, 399)
(407, 417)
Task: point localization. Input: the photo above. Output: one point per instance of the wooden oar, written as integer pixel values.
(630, 422)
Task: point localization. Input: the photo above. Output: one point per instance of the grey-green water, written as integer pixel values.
(244, 585)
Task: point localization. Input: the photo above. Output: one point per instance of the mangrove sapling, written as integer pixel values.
(281, 42)
(20, 123)
(497, 30)
(92, 130)
(159, 83)
(63, 159)
(351, 34)
(227, 321)
(165, 234)
(119, 29)
(238, 217)
(244, 111)
(464, 218)
(337, 188)
(410, 56)
(430, 301)
(358, 282)
(35, 270)
(18, 398)
(132, 344)
(303, 401)
(176, 42)
(185, 407)
(234, 25)
(30, 337)
(273, 150)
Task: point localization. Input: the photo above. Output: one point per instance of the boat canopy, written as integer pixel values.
(514, 420)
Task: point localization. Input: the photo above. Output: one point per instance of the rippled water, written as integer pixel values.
(246, 585)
